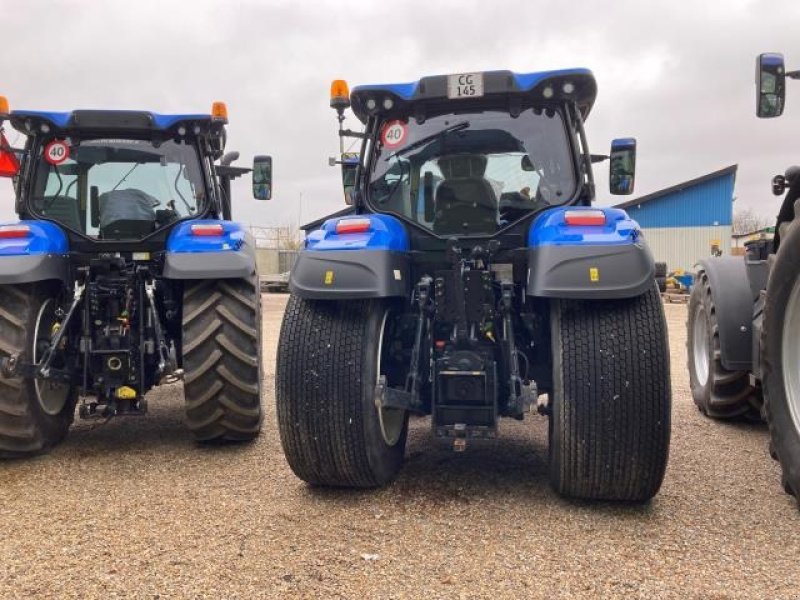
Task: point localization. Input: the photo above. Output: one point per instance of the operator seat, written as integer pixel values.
(464, 202)
(126, 214)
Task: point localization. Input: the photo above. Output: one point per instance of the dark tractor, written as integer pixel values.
(472, 280)
(124, 272)
(744, 314)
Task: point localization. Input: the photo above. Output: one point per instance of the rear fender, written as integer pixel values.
(40, 255)
(734, 300)
(230, 255)
(370, 263)
(588, 261)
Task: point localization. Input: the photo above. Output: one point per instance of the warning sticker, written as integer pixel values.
(56, 152)
(393, 134)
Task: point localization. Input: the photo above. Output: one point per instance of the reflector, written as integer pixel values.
(9, 165)
(14, 231)
(585, 217)
(209, 229)
(353, 226)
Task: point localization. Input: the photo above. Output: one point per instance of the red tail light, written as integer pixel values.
(585, 217)
(207, 229)
(353, 226)
(14, 231)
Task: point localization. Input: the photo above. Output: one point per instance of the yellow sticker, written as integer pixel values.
(328, 277)
(594, 274)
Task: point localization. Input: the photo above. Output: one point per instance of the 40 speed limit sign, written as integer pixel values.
(56, 152)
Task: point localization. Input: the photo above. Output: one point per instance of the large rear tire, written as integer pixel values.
(717, 392)
(34, 415)
(780, 356)
(222, 359)
(329, 360)
(610, 420)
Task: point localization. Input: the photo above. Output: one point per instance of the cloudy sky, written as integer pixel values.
(677, 75)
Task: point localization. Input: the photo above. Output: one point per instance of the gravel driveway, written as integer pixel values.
(135, 509)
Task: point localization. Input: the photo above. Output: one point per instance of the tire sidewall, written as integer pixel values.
(785, 437)
(384, 460)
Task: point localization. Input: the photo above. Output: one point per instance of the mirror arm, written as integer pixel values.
(351, 133)
(596, 158)
(793, 74)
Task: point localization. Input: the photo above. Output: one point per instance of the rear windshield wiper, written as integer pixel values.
(456, 127)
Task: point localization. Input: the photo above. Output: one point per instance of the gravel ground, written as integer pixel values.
(135, 509)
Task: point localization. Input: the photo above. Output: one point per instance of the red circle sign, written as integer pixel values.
(394, 134)
(56, 152)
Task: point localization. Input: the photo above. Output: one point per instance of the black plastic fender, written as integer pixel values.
(733, 300)
(599, 272)
(343, 274)
(33, 267)
(226, 264)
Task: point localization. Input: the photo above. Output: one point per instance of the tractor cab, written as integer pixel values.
(113, 176)
(471, 155)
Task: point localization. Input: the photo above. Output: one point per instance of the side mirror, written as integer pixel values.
(622, 170)
(262, 177)
(349, 165)
(770, 85)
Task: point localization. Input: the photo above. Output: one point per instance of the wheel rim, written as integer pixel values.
(51, 395)
(790, 353)
(391, 420)
(700, 345)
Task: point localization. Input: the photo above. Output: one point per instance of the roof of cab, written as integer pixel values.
(495, 83)
(104, 119)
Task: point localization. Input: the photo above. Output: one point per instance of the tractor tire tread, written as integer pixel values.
(221, 359)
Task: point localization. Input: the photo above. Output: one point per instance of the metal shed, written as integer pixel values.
(683, 222)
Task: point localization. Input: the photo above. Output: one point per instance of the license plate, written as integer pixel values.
(465, 85)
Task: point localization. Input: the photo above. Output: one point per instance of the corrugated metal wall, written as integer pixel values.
(707, 204)
(682, 248)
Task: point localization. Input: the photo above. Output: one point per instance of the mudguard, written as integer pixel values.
(39, 254)
(733, 300)
(364, 257)
(191, 253)
(588, 261)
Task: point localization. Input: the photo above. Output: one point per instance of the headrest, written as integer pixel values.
(461, 166)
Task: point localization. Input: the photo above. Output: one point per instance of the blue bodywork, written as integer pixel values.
(495, 83)
(181, 238)
(551, 229)
(385, 233)
(44, 238)
(61, 120)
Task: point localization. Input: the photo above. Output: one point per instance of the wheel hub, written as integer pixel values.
(790, 353)
(51, 395)
(391, 419)
(700, 345)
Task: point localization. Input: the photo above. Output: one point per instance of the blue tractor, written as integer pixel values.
(124, 271)
(471, 279)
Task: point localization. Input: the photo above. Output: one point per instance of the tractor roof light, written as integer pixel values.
(219, 112)
(353, 226)
(4, 109)
(585, 217)
(14, 231)
(340, 94)
(207, 229)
